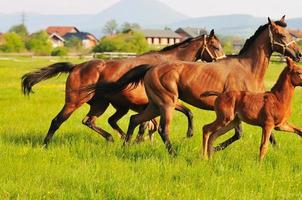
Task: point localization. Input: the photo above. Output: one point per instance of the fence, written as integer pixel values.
(114, 55)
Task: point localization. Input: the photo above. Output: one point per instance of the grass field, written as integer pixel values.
(80, 164)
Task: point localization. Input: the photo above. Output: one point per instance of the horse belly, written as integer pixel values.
(135, 99)
(250, 109)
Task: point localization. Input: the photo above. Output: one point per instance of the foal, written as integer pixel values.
(269, 110)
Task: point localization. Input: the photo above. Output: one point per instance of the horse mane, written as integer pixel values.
(280, 79)
(185, 42)
(250, 40)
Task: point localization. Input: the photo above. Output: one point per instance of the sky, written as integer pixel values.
(193, 8)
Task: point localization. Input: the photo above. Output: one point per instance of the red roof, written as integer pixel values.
(61, 30)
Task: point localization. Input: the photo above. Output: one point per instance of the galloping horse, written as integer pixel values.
(203, 47)
(269, 110)
(166, 83)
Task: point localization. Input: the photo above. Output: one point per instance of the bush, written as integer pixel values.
(59, 51)
(12, 42)
(74, 43)
(39, 43)
(20, 29)
(124, 42)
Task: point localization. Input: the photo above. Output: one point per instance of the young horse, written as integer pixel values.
(166, 83)
(203, 47)
(269, 110)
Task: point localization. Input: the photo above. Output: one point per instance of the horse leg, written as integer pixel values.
(149, 113)
(188, 113)
(235, 137)
(165, 121)
(238, 134)
(266, 132)
(120, 112)
(96, 110)
(141, 130)
(62, 116)
(220, 130)
(290, 128)
(153, 130)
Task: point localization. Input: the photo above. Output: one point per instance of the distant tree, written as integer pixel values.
(123, 42)
(39, 43)
(111, 27)
(74, 43)
(20, 29)
(167, 28)
(129, 26)
(12, 42)
(59, 51)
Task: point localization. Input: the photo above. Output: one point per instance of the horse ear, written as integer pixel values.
(290, 62)
(272, 23)
(212, 33)
(282, 19)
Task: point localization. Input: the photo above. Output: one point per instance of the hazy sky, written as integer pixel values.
(194, 8)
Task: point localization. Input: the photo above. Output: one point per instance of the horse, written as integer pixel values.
(269, 110)
(204, 47)
(168, 82)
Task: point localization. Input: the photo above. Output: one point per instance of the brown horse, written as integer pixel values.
(166, 83)
(203, 47)
(269, 110)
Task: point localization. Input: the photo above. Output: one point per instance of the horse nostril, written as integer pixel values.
(299, 54)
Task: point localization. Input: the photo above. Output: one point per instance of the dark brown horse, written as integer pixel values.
(166, 83)
(269, 110)
(203, 47)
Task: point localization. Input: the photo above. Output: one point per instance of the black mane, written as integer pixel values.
(249, 41)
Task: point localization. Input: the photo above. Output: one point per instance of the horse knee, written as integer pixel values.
(133, 121)
(88, 121)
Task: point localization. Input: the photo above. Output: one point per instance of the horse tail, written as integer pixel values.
(210, 93)
(133, 77)
(32, 78)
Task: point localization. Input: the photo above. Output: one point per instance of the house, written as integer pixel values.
(56, 40)
(88, 40)
(59, 34)
(296, 34)
(160, 37)
(190, 32)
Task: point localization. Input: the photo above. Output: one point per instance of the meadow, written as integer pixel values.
(79, 164)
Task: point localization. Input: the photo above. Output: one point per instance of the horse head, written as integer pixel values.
(294, 71)
(281, 40)
(210, 48)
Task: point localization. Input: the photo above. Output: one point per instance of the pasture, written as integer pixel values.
(81, 164)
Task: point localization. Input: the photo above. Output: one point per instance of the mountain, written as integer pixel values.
(149, 14)
(237, 24)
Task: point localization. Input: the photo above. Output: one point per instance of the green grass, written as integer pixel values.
(80, 164)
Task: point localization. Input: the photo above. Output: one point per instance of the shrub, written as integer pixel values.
(39, 43)
(59, 51)
(124, 42)
(12, 42)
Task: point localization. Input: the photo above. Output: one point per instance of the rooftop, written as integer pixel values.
(61, 30)
(159, 33)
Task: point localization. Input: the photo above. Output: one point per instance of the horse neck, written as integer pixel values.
(283, 88)
(187, 53)
(258, 55)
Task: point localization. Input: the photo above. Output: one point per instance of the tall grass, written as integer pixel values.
(80, 164)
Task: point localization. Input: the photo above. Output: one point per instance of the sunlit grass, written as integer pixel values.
(80, 164)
